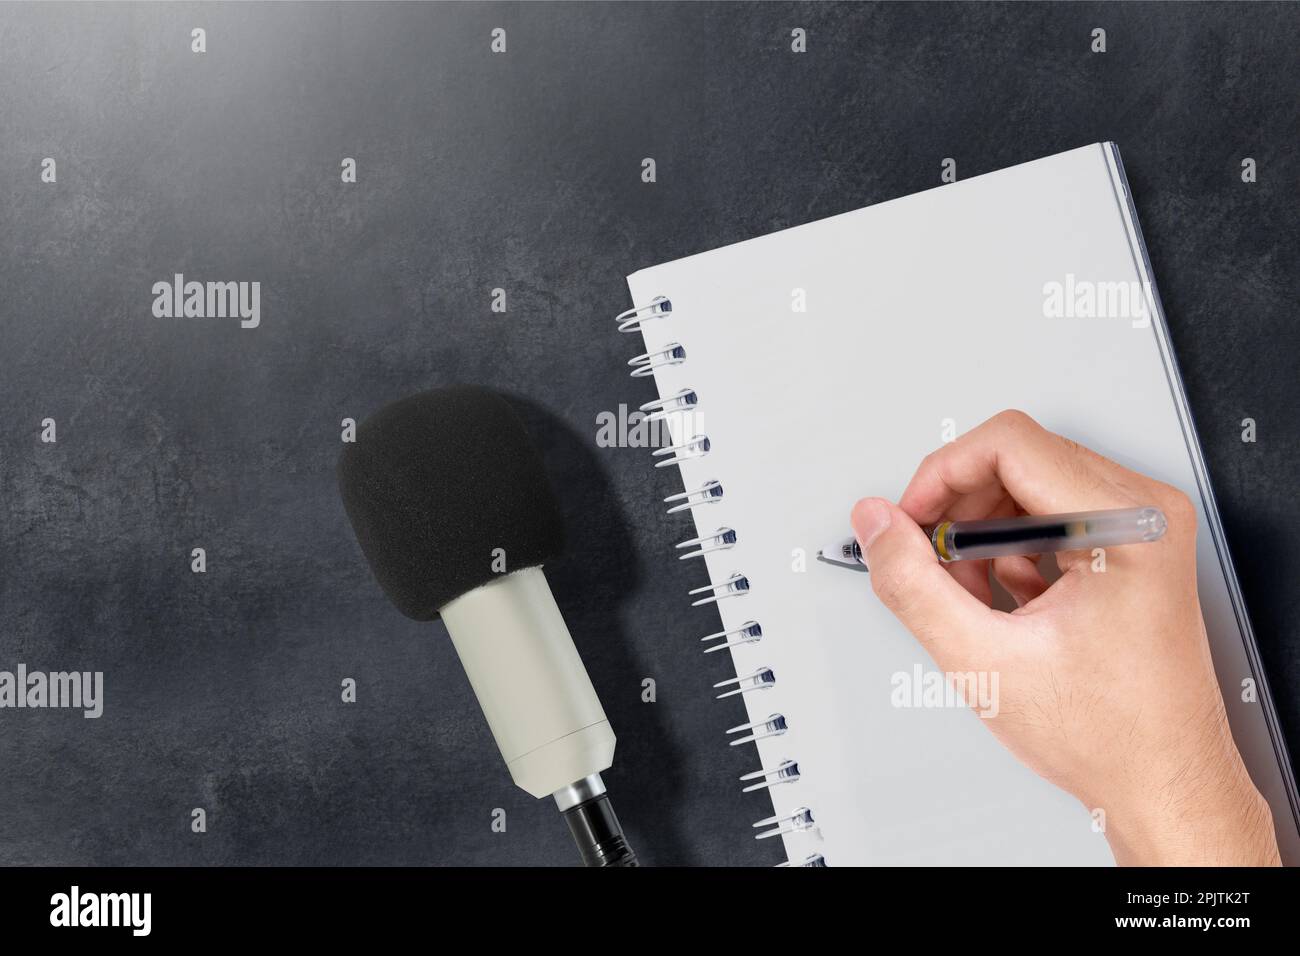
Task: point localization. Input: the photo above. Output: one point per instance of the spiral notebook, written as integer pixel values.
(802, 370)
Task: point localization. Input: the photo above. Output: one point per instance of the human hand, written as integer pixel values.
(1106, 686)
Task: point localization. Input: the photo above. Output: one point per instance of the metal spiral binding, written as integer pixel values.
(774, 726)
(748, 633)
(761, 679)
(662, 408)
(630, 321)
(697, 447)
(787, 771)
(708, 493)
(737, 585)
(720, 540)
(793, 822)
(646, 363)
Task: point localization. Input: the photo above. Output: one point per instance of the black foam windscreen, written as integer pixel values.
(434, 484)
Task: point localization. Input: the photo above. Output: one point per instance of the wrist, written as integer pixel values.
(1216, 819)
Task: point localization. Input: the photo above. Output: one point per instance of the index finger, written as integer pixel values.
(1043, 472)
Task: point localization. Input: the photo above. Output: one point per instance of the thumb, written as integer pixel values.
(909, 580)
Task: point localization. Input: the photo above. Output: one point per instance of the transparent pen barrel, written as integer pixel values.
(1030, 534)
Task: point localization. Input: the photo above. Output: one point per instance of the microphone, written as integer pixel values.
(452, 508)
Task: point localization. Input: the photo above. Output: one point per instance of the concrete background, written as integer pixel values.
(519, 171)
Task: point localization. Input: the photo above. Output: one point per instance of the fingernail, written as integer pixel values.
(870, 517)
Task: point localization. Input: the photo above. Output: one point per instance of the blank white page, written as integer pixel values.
(921, 310)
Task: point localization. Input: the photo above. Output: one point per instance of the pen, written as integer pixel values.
(1027, 534)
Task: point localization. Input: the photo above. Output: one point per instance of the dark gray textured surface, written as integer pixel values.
(518, 171)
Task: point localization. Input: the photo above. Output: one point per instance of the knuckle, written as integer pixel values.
(1178, 506)
(1014, 419)
(935, 464)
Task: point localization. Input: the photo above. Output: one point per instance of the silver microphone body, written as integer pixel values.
(540, 705)
(530, 681)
